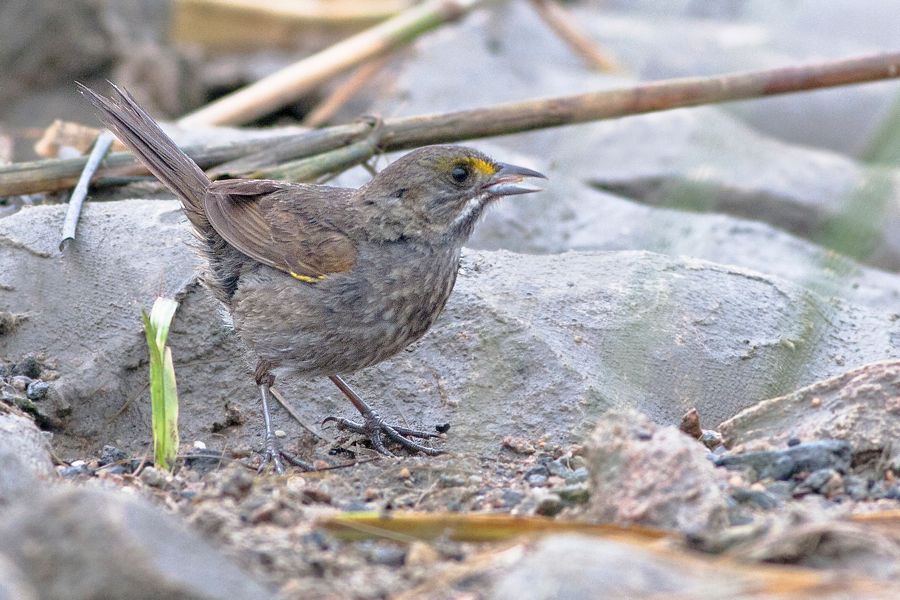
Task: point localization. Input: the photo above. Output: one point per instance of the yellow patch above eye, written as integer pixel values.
(482, 166)
(307, 278)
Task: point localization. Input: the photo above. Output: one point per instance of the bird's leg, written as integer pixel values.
(273, 453)
(375, 428)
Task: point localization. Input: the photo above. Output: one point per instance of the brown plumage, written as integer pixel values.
(320, 280)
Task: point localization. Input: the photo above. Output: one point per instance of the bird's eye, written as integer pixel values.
(459, 174)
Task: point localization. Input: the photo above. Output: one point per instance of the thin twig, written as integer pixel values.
(409, 132)
(290, 410)
(288, 84)
(63, 173)
(306, 169)
(561, 22)
(347, 465)
(76, 200)
(289, 148)
(344, 92)
(314, 14)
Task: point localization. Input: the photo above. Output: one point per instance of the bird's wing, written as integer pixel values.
(279, 225)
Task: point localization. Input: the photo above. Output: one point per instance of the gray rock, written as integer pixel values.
(510, 54)
(649, 475)
(36, 390)
(24, 457)
(85, 305)
(687, 38)
(592, 331)
(784, 464)
(826, 544)
(583, 568)
(572, 216)
(763, 499)
(79, 543)
(708, 162)
(827, 482)
(861, 407)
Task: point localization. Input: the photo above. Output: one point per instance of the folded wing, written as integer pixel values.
(270, 222)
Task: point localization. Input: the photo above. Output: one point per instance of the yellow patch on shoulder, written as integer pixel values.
(307, 278)
(482, 166)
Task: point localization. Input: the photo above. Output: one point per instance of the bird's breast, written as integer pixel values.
(350, 320)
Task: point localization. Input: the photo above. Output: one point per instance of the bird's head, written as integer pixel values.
(437, 193)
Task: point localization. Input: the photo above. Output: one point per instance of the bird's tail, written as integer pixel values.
(137, 130)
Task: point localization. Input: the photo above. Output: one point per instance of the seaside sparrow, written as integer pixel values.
(319, 280)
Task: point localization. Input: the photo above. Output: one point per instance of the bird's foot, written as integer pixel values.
(276, 457)
(376, 430)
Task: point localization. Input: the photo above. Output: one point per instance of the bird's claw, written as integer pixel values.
(375, 429)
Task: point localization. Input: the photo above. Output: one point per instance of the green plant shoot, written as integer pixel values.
(163, 392)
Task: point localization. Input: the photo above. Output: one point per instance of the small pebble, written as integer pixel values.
(518, 445)
(512, 498)
(153, 477)
(577, 460)
(110, 454)
(710, 438)
(37, 390)
(549, 506)
(199, 445)
(762, 499)
(279, 433)
(404, 473)
(115, 470)
(578, 475)
(20, 382)
(448, 481)
(827, 482)
(538, 476)
(242, 451)
(421, 554)
(390, 555)
(73, 470)
(857, 487)
(556, 467)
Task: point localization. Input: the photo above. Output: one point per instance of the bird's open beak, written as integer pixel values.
(510, 180)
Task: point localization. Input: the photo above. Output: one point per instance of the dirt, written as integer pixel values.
(268, 523)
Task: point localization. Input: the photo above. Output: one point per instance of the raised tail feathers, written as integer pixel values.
(122, 115)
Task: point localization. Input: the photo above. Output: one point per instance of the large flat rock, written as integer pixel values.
(528, 345)
(77, 543)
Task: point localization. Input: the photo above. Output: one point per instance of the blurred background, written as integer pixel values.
(176, 55)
